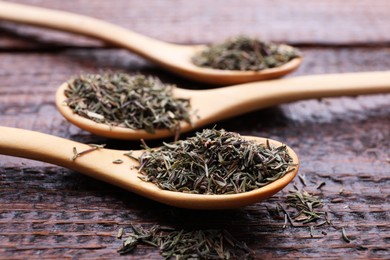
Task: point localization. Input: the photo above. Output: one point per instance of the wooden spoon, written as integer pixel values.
(99, 164)
(213, 105)
(175, 58)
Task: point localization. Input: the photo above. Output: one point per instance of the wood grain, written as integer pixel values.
(329, 22)
(48, 212)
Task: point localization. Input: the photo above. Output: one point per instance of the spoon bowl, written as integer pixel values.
(213, 105)
(173, 57)
(99, 164)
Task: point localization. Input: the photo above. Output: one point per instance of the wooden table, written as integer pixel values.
(50, 212)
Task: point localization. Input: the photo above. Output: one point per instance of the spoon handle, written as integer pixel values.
(335, 85)
(248, 97)
(83, 25)
(39, 146)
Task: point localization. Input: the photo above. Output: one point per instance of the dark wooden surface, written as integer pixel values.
(50, 212)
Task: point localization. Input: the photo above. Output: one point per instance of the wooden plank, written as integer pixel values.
(300, 22)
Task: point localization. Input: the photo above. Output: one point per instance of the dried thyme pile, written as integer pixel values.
(118, 99)
(244, 53)
(181, 244)
(214, 162)
(305, 208)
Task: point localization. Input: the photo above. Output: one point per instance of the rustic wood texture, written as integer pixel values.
(53, 213)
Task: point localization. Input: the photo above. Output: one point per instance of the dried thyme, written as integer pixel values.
(117, 161)
(182, 244)
(214, 162)
(120, 233)
(94, 147)
(344, 236)
(306, 206)
(135, 102)
(245, 53)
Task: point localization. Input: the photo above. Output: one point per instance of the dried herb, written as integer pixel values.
(182, 244)
(306, 206)
(117, 161)
(311, 229)
(319, 186)
(94, 147)
(302, 179)
(245, 53)
(118, 99)
(344, 236)
(306, 209)
(214, 162)
(120, 233)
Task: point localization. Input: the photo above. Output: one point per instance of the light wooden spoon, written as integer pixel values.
(213, 105)
(175, 58)
(99, 164)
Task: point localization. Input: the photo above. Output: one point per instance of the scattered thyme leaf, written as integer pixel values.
(344, 235)
(118, 161)
(120, 233)
(94, 147)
